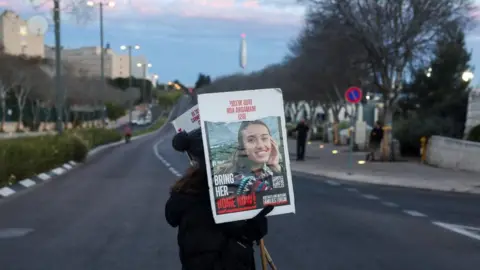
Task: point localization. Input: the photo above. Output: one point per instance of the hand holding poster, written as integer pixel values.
(245, 141)
(187, 122)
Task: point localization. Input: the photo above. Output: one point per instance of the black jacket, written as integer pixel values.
(376, 135)
(203, 244)
(302, 131)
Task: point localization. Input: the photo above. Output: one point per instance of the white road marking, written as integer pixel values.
(162, 159)
(14, 232)
(390, 204)
(463, 230)
(44, 176)
(67, 166)
(58, 171)
(414, 213)
(6, 191)
(370, 197)
(332, 183)
(352, 189)
(27, 183)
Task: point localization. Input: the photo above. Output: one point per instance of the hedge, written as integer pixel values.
(474, 134)
(24, 157)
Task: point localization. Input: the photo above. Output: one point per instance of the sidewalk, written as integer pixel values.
(321, 161)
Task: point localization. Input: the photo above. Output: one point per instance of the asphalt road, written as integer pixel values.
(109, 214)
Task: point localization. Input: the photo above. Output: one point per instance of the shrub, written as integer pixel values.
(24, 157)
(474, 134)
(114, 111)
(409, 131)
(169, 99)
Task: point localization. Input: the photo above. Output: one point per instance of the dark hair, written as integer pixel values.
(194, 181)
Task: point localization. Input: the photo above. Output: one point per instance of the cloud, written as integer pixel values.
(279, 12)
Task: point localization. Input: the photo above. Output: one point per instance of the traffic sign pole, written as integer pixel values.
(353, 95)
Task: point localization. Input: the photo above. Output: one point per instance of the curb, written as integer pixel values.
(375, 180)
(46, 176)
(37, 179)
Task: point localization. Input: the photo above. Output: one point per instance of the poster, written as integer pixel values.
(245, 142)
(187, 122)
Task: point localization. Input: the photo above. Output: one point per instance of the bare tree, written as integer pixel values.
(8, 70)
(394, 34)
(40, 96)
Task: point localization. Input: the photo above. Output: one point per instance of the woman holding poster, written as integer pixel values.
(205, 245)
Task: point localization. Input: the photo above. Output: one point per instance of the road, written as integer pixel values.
(156, 113)
(109, 214)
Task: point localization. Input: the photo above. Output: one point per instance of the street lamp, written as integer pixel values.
(467, 76)
(154, 84)
(100, 4)
(145, 66)
(130, 76)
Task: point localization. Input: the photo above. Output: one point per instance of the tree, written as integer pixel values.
(27, 77)
(7, 82)
(438, 89)
(202, 80)
(394, 34)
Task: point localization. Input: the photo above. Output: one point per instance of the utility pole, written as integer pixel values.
(144, 83)
(130, 83)
(58, 68)
(102, 62)
(129, 48)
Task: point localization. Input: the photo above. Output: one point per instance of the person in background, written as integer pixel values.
(302, 134)
(376, 136)
(127, 131)
(205, 245)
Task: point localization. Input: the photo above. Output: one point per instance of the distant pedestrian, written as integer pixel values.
(376, 136)
(302, 134)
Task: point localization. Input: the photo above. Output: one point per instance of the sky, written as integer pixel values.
(182, 38)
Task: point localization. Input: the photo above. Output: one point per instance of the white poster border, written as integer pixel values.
(272, 96)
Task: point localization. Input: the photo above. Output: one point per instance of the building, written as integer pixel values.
(15, 37)
(87, 59)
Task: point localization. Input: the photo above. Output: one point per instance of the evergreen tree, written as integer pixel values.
(439, 91)
(202, 80)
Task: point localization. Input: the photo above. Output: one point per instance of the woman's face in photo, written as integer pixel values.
(257, 142)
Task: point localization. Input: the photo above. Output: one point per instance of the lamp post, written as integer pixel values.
(100, 4)
(154, 84)
(130, 75)
(144, 66)
(59, 91)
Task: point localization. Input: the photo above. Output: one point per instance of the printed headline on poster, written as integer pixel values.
(227, 203)
(195, 116)
(241, 108)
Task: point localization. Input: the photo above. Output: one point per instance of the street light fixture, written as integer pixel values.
(130, 75)
(100, 4)
(467, 76)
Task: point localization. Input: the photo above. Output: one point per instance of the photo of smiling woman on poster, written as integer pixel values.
(253, 153)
